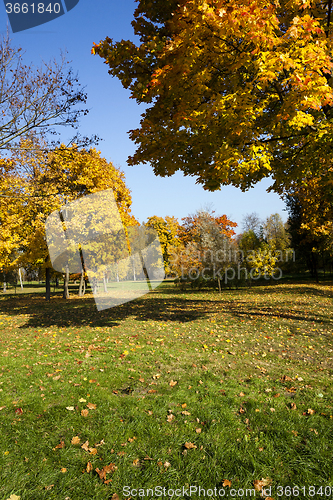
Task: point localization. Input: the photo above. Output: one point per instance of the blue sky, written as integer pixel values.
(112, 114)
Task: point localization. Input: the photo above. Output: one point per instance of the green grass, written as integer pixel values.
(235, 374)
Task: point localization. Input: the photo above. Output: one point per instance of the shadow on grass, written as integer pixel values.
(166, 304)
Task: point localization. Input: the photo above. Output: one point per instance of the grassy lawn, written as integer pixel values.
(173, 390)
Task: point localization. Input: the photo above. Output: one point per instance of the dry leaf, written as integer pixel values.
(241, 394)
(285, 378)
(151, 391)
(84, 413)
(136, 462)
(259, 484)
(226, 482)
(115, 497)
(85, 446)
(70, 408)
(241, 410)
(141, 379)
(310, 411)
(46, 487)
(190, 446)
(15, 497)
(93, 451)
(82, 400)
(170, 417)
(293, 406)
(167, 465)
(272, 410)
(172, 383)
(198, 430)
(59, 446)
(63, 470)
(2, 407)
(91, 406)
(186, 413)
(89, 467)
(75, 440)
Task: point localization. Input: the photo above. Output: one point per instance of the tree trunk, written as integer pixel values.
(65, 294)
(82, 287)
(219, 284)
(4, 283)
(47, 284)
(104, 284)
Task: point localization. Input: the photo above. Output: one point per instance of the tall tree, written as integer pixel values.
(167, 229)
(235, 91)
(49, 180)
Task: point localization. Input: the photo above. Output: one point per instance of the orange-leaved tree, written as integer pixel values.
(235, 90)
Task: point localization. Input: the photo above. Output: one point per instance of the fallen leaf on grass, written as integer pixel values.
(59, 446)
(260, 483)
(91, 406)
(198, 430)
(167, 465)
(170, 418)
(63, 470)
(241, 410)
(172, 383)
(82, 400)
(89, 467)
(226, 482)
(70, 408)
(46, 488)
(285, 378)
(293, 406)
(2, 407)
(84, 413)
(130, 440)
(115, 497)
(310, 411)
(19, 411)
(15, 497)
(141, 379)
(75, 440)
(151, 391)
(186, 413)
(107, 469)
(190, 446)
(136, 462)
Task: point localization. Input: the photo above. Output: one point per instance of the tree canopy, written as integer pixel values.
(235, 90)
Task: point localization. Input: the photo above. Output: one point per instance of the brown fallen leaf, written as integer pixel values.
(85, 446)
(115, 497)
(190, 446)
(285, 378)
(293, 406)
(241, 394)
(84, 413)
(91, 406)
(141, 379)
(63, 470)
(60, 445)
(226, 482)
(172, 383)
(130, 440)
(136, 462)
(2, 407)
(241, 410)
(260, 483)
(170, 418)
(310, 411)
(198, 430)
(89, 467)
(49, 487)
(75, 440)
(93, 451)
(151, 391)
(186, 413)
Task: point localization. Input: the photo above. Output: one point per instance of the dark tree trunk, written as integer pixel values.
(47, 284)
(65, 294)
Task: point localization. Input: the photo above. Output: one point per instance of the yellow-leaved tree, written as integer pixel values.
(50, 179)
(235, 90)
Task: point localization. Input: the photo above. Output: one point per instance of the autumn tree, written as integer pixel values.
(167, 229)
(235, 90)
(310, 221)
(206, 248)
(52, 179)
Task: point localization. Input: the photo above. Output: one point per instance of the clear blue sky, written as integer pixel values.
(112, 114)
